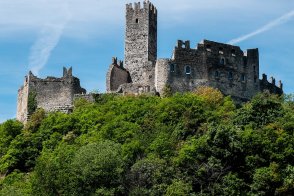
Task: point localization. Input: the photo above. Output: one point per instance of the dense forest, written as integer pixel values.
(197, 143)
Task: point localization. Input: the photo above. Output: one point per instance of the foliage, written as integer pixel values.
(196, 143)
(167, 91)
(32, 102)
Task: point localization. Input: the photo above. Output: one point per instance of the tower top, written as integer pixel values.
(147, 5)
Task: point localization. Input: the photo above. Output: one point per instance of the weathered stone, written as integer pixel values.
(52, 94)
(223, 66)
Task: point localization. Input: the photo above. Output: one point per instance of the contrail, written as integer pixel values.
(283, 19)
(42, 48)
(46, 42)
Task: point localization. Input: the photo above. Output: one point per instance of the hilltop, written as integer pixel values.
(196, 143)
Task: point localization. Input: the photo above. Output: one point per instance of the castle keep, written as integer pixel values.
(51, 94)
(226, 67)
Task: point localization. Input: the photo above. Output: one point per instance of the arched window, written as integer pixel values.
(216, 74)
(188, 70)
(230, 76)
(172, 67)
(222, 61)
(233, 52)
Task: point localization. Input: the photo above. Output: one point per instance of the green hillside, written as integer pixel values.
(186, 144)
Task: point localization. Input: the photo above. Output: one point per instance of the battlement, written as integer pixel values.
(272, 81)
(183, 44)
(220, 48)
(147, 5)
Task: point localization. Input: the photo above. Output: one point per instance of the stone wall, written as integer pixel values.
(89, 97)
(52, 94)
(162, 70)
(116, 76)
(22, 102)
(270, 86)
(219, 65)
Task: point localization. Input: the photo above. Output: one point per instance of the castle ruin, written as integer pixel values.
(51, 94)
(222, 66)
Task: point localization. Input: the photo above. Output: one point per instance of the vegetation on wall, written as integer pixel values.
(186, 144)
(32, 102)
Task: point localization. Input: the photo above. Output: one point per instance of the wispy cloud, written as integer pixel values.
(272, 24)
(44, 45)
(46, 42)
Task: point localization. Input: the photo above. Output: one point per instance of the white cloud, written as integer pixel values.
(44, 45)
(272, 24)
(46, 42)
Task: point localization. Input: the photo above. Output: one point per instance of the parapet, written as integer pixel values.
(147, 5)
(271, 85)
(220, 48)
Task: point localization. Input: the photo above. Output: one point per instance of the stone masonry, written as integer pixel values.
(225, 67)
(51, 94)
(222, 66)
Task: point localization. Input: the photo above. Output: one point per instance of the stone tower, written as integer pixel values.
(141, 42)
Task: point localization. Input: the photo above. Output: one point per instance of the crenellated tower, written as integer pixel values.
(141, 42)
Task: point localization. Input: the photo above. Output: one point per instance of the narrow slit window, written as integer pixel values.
(172, 68)
(137, 20)
(243, 77)
(188, 70)
(216, 74)
(230, 76)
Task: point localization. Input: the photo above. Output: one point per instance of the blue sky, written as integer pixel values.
(45, 35)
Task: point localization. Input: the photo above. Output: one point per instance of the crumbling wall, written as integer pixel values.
(187, 68)
(22, 102)
(51, 93)
(270, 86)
(116, 76)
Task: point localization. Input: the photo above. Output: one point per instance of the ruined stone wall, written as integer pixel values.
(51, 94)
(116, 76)
(162, 70)
(56, 94)
(141, 42)
(89, 97)
(187, 69)
(218, 65)
(270, 86)
(22, 102)
(227, 69)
